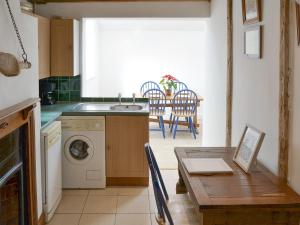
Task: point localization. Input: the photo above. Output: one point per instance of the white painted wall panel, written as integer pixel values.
(256, 82)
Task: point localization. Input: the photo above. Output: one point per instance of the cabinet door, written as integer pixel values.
(125, 140)
(44, 46)
(62, 47)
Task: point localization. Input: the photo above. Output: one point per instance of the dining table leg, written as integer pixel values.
(180, 186)
(195, 120)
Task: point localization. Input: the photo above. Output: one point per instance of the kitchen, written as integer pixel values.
(111, 139)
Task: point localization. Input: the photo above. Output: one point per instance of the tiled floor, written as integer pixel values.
(164, 148)
(122, 206)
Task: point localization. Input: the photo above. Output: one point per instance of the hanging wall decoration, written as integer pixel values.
(253, 42)
(251, 11)
(9, 64)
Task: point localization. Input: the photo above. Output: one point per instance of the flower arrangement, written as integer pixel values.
(168, 82)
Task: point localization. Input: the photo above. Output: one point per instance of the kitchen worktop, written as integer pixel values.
(50, 113)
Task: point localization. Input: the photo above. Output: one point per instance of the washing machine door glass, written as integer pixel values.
(79, 149)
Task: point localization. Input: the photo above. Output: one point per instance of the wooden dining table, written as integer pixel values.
(169, 104)
(256, 198)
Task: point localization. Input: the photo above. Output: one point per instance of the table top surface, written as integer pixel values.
(259, 188)
(170, 97)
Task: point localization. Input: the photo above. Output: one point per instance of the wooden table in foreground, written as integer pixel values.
(258, 198)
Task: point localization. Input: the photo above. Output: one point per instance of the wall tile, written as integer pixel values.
(68, 89)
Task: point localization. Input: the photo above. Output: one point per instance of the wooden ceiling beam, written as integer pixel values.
(64, 1)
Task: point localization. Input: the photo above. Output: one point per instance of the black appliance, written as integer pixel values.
(13, 200)
(46, 93)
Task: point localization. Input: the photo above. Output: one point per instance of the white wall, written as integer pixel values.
(125, 9)
(294, 156)
(119, 55)
(17, 89)
(256, 82)
(215, 79)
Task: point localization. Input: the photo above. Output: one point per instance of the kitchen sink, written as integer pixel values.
(126, 107)
(91, 107)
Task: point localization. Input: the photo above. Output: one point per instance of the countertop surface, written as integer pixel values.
(50, 113)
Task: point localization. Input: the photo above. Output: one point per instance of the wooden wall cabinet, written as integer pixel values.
(126, 162)
(64, 47)
(44, 46)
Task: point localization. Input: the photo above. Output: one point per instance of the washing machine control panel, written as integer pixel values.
(83, 124)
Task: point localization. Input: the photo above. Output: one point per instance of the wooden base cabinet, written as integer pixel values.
(126, 162)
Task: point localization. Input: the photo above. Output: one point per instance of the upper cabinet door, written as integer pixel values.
(64, 47)
(44, 46)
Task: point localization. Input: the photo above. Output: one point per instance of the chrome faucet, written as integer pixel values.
(133, 98)
(120, 98)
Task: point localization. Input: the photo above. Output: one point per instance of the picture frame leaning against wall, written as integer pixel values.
(248, 147)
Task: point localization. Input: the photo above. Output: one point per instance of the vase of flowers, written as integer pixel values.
(168, 82)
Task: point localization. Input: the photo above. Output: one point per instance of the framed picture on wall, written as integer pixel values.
(251, 11)
(248, 147)
(298, 22)
(253, 42)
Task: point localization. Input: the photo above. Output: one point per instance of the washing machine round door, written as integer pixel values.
(79, 149)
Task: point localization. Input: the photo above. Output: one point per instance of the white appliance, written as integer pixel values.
(83, 151)
(51, 168)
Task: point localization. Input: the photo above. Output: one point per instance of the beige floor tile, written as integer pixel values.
(177, 204)
(75, 192)
(101, 204)
(133, 219)
(98, 219)
(65, 219)
(71, 204)
(106, 191)
(133, 204)
(133, 191)
(180, 219)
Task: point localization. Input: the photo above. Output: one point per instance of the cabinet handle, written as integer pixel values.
(3, 125)
(107, 147)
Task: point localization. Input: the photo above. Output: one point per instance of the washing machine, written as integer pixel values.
(83, 140)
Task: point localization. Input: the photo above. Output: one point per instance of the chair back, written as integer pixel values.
(148, 85)
(157, 101)
(185, 102)
(180, 86)
(157, 183)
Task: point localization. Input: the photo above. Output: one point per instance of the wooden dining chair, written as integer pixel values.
(179, 87)
(147, 86)
(160, 196)
(157, 106)
(184, 106)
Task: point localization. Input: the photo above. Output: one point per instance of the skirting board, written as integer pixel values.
(127, 181)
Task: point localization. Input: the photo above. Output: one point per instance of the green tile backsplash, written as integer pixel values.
(68, 89)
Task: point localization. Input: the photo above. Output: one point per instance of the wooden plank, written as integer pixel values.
(284, 90)
(63, 1)
(127, 181)
(258, 189)
(229, 74)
